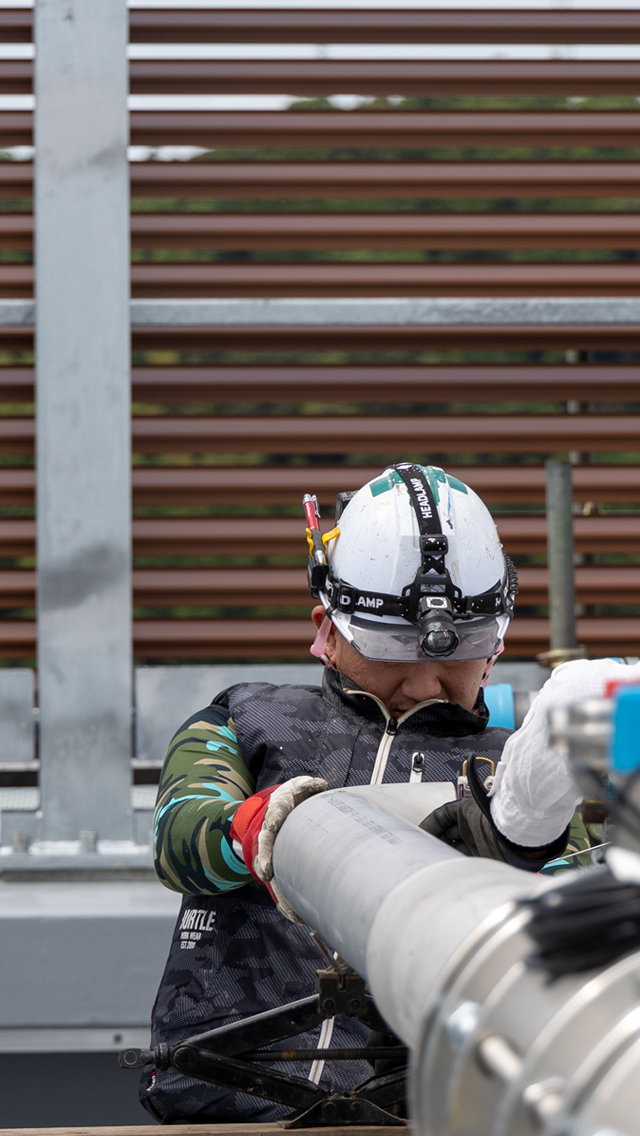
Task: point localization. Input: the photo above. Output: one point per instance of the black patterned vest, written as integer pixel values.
(250, 958)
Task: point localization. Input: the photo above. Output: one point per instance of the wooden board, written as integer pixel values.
(200, 1130)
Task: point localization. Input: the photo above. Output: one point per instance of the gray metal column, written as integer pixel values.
(83, 432)
(562, 597)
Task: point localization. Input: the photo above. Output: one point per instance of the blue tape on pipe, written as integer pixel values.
(625, 748)
(500, 703)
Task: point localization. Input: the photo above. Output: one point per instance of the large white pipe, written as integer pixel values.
(443, 945)
(357, 872)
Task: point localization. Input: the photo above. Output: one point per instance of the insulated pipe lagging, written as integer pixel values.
(394, 901)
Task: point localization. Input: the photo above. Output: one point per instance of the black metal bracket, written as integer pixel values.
(227, 1057)
(340, 992)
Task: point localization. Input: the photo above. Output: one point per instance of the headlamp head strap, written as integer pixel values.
(432, 595)
(432, 577)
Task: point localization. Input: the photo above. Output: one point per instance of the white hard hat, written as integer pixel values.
(417, 570)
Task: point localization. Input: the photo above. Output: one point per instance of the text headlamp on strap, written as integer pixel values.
(422, 498)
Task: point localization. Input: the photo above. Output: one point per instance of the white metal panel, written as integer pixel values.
(83, 424)
(84, 955)
(17, 721)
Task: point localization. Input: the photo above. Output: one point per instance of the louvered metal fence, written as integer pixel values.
(460, 178)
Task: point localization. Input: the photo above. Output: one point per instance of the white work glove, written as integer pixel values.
(257, 822)
(534, 795)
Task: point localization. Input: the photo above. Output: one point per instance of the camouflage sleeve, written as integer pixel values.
(203, 780)
(576, 855)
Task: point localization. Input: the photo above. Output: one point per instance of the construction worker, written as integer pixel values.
(415, 599)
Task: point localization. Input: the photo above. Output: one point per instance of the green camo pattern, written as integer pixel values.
(204, 779)
(578, 842)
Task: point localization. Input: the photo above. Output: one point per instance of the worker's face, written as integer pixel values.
(401, 685)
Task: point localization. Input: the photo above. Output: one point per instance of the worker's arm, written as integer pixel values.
(529, 817)
(534, 794)
(464, 826)
(204, 779)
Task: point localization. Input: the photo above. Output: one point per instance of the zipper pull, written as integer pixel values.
(392, 726)
(417, 765)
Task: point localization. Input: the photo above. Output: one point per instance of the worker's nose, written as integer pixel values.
(423, 681)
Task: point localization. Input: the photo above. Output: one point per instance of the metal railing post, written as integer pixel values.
(562, 596)
(83, 426)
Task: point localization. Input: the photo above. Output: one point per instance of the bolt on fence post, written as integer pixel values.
(562, 598)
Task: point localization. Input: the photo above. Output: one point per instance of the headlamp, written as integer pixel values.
(437, 633)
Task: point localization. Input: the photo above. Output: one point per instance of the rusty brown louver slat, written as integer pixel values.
(376, 128)
(220, 485)
(380, 337)
(308, 434)
(235, 639)
(219, 639)
(391, 383)
(286, 25)
(375, 230)
(599, 336)
(286, 586)
(389, 179)
(374, 77)
(362, 179)
(16, 76)
(162, 280)
(379, 26)
(358, 434)
(168, 537)
(322, 128)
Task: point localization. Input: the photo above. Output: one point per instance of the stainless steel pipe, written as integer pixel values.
(496, 1050)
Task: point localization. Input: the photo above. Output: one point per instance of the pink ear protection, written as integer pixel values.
(320, 642)
(490, 662)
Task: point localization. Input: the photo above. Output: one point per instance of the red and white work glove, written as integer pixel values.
(257, 822)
